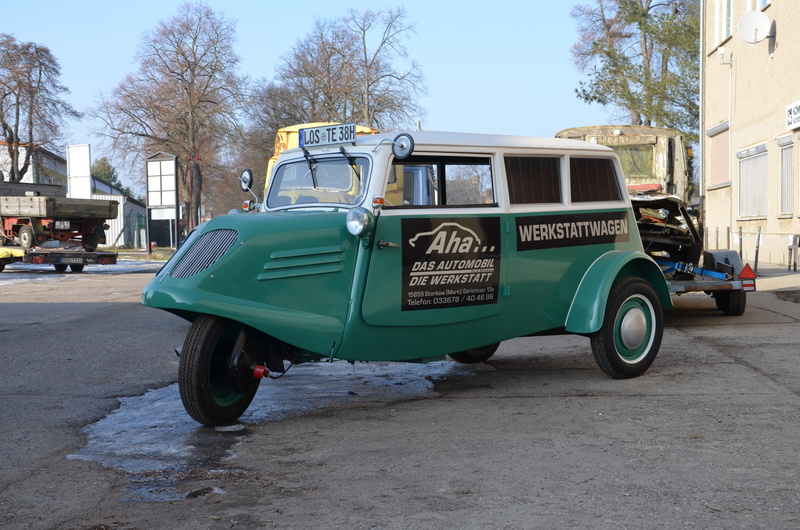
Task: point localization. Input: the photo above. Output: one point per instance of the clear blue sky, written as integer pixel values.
(502, 67)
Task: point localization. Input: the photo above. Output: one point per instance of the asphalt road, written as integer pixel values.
(709, 437)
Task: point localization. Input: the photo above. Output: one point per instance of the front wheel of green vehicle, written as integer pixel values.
(215, 372)
(628, 341)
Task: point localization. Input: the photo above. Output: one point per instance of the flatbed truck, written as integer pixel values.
(59, 231)
(34, 220)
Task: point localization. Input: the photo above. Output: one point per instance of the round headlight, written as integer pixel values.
(358, 221)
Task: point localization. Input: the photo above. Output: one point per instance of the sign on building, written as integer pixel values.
(793, 116)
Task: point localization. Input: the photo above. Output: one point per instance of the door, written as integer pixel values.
(437, 257)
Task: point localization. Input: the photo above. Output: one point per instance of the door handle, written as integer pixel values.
(383, 244)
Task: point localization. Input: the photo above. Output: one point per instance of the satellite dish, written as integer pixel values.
(754, 27)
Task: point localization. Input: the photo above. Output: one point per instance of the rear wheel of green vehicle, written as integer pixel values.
(731, 303)
(628, 341)
(475, 355)
(215, 372)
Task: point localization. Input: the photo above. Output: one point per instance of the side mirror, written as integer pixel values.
(246, 180)
(402, 146)
(246, 183)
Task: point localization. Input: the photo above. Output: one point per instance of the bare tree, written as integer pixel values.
(642, 57)
(184, 99)
(270, 107)
(315, 80)
(32, 112)
(388, 93)
(354, 69)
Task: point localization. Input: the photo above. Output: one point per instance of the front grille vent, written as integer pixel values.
(204, 253)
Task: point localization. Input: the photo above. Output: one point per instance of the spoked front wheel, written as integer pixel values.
(628, 341)
(215, 375)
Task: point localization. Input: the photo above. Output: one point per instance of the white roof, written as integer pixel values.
(493, 141)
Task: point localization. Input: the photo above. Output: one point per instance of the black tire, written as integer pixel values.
(731, 303)
(92, 241)
(27, 239)
(60, 267)
(2, 266)
(475, 355)
(214, 375)
(628, 341)
(77, 267)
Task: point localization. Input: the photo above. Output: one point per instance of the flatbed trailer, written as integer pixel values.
(723, 277)
(60, 258)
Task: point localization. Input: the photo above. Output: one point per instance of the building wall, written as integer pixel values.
(45, 168)
(125, 230)
(746, 90)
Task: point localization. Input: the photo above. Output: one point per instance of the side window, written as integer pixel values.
(440, 181)
(533, 180)
(593, 180)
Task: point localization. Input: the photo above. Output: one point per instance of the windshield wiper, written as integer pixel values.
(352, 162)
(311, 166)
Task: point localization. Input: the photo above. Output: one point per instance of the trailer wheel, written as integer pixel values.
(475, 355)
(214, 374)
(76, 267)
(630, 336)
(731, 303)
(60, 267)
(27, 239)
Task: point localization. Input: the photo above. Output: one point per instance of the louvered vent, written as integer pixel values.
(204, 253)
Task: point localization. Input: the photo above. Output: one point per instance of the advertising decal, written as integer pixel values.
(450, 262)
(571, 230)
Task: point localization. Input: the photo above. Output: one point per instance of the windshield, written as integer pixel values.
(636, 160)
(326, 180)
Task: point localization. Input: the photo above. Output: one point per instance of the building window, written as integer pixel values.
(787, 179)
(724, 17)
(753, 186)
(720, 159)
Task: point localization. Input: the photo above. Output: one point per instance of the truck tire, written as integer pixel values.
(27, 239)
(475, 355)
(76, 267)
(60, 267)
(92, 241)
(214, 373)
(731, 303)
(628, 341)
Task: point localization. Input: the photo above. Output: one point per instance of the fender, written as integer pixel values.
(588, 306)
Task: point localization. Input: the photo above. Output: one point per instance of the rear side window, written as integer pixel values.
(593, 180)
(533, 180)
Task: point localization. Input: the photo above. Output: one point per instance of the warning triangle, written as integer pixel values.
(747, 273)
